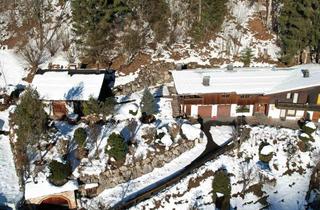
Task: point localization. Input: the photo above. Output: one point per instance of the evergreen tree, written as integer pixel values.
(295, 27)
(95, 107)
(246, 56)
(94, 21)
(117, 147)
(148, 103)
(31, 121)
(210, 15)
(156, 13)
(315, 33)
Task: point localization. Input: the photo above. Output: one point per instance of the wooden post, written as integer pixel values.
(200, 11)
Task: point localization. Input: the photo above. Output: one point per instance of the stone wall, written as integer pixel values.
(111, 178)
(156, 73)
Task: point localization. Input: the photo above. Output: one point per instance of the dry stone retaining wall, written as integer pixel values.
(111, 178)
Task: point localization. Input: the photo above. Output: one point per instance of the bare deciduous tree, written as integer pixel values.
(247, 175)
(41, 26)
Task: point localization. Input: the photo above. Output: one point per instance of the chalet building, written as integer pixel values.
(64, 90)
(290, 93)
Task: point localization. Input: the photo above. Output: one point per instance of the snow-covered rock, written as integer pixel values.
(191, 132)
(221, 134)
(266, 150)
(166, 140)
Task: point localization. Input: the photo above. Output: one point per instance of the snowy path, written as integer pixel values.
(9, 182)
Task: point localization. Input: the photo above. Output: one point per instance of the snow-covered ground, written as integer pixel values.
(4, 118)
(235, 36)
(281, 185)
(12, 68)
(10, 192)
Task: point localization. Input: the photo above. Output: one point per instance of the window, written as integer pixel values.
(288, 95)
(243, 109)
(225, 96)
(244, 96)
(291, 113)
(295, 98)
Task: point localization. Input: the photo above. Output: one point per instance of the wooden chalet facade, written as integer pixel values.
(223, 100)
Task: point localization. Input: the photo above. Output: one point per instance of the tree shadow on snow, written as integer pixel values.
(75, 93)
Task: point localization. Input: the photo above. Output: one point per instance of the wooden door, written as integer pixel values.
(316, 116)
(224, 110)
(205, 111)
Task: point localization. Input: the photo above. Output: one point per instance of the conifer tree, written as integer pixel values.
(246, 56)
(31, 121)
(295, 28)
(94, 21)
(148, 103)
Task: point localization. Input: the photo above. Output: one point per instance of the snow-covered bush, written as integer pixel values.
(309, 128)
(265, 152)
(305, 137)
(59, 172)
(80, 136)
(221, 188)
(117, 147)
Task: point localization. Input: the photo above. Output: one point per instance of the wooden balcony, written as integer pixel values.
(299, 106)
(191, 100)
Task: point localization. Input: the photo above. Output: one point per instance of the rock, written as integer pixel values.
(146, 169)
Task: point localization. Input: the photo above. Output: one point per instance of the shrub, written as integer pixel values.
(264, 158)
(80, 136)
(59, 172)
(308, 128)
(305, 137)
(134, 113)
(221, 184)
(117, 147)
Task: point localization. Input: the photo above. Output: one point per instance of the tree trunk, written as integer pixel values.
(200, 11)
(269, 13)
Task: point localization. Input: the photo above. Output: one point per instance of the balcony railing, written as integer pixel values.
(300, 106)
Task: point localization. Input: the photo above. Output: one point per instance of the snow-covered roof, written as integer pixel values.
(9, 183)
(246, 80)
(63, 86)
(44, 188)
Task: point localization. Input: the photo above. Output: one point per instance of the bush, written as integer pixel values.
(264, 158)
(221, 184)
(134, 113)
(305, 137)
(80, 136)
(117, 147)
(59, 172)
(308, 128)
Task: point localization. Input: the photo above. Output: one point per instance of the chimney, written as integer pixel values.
(305, 73)
(206, 80)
